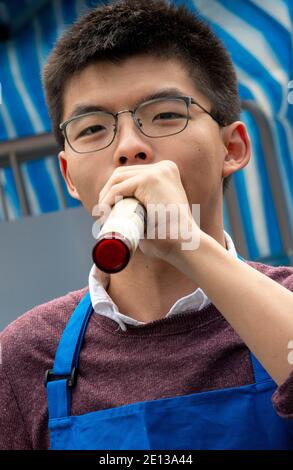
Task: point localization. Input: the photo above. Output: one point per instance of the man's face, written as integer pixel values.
(198, 150)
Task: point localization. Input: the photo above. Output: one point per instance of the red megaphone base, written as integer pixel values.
(112, 253)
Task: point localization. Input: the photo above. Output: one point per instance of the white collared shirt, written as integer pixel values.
(104, 305)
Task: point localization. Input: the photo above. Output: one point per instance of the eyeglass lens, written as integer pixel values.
(158, 118)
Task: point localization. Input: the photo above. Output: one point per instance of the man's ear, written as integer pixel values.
(237, 146)
(63, 164)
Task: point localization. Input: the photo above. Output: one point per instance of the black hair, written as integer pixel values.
(125, 28)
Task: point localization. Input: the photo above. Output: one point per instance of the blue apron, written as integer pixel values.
(231, 418)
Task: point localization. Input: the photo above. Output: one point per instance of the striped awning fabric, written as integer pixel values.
(258, 35)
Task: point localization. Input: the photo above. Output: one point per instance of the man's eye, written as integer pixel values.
(169, 115)
(91, 130)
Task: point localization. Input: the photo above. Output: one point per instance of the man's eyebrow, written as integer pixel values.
(163, 93)
(86, 108)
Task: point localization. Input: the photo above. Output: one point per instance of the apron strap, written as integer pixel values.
(61, 379)
(260, 374)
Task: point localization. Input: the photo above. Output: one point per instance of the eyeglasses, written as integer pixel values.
(160, 117)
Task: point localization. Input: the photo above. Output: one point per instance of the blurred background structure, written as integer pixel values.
(45, 235)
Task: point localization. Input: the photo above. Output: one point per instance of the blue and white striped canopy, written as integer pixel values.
(258, 35)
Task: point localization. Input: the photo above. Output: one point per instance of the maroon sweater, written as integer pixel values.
(183, 354)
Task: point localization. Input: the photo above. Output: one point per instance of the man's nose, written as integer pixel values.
(132, 147)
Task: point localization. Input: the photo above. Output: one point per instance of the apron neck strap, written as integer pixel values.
(61, 379)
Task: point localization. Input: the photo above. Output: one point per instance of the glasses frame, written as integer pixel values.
(187, 99)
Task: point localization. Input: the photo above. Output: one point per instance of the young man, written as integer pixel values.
(183, 349)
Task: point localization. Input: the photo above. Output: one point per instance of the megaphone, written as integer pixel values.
(119, 236)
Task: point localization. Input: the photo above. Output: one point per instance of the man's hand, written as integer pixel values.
(159, 188)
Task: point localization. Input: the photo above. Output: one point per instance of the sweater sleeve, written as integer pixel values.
(283, 398)
(13, 435)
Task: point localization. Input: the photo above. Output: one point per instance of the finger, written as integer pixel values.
(126, 188)
(115, 178)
